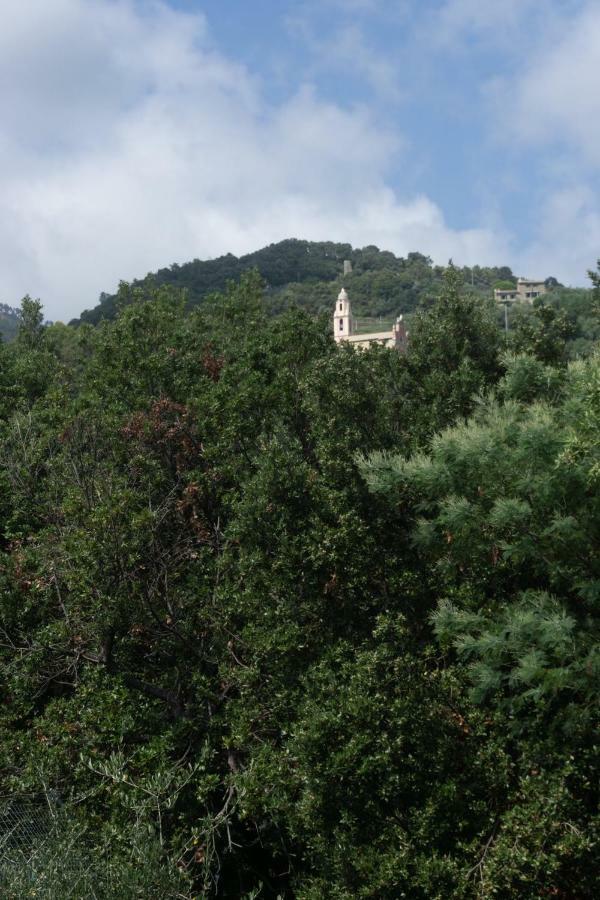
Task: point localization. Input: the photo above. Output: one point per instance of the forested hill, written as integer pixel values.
(305, 273)
(9, 322)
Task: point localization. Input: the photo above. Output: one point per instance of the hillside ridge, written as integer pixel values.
(302, 273)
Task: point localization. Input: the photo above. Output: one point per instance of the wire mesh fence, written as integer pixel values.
(38, 856)
(26, 822)
(46, 853)
(363, 324)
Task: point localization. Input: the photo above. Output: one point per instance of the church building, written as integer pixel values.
(343, 329)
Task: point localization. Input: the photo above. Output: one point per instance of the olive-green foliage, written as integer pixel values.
(561, 325)
(453, 355)
(248, 670)
(544, 333)
(308, 274)
(62, 868)
(504, 508)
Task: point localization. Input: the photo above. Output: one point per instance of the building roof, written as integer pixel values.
(370, 336)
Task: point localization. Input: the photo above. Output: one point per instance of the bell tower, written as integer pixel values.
(342, 317)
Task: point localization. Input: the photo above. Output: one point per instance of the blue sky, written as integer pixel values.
(137, 133)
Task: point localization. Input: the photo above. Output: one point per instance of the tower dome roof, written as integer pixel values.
(343, 294)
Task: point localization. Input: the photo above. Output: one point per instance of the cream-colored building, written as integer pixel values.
(343, 329)
(526, 291)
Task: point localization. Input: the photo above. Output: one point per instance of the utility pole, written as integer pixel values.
(504, 302)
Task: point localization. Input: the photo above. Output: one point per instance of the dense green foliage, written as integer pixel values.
(304, 274)
(283, 619)
(563, 324)
(9, 322)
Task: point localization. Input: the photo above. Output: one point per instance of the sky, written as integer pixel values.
(139, 133)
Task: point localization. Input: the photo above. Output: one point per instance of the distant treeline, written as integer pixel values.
(303, 273)
(307, 275)
(9, 322)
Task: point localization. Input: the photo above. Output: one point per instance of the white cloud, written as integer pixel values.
(548, 111)
(351, 7)
(555, 98)
(349, 51)
(343, 41)
(129, 142)
(567, 240)
(499, 22)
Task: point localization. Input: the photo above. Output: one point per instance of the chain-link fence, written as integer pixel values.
(39, 856)
(26, 822)
(46, 854)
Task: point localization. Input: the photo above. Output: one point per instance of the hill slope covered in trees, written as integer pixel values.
(306, 273)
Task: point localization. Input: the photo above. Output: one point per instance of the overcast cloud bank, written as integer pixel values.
(129, 141)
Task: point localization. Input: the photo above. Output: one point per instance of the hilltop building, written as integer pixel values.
(526, 291)
(343, 328)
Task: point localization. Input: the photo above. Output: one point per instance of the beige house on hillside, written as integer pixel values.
(343, 329)
(526, 291)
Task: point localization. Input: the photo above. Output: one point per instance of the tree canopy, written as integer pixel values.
(280, 618)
